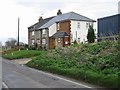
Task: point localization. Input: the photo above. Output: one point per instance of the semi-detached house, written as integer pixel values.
(59, 31)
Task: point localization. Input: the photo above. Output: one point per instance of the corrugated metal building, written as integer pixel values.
(108, 27)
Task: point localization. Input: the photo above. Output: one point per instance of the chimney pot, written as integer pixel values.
(40, 19)
(59, 12)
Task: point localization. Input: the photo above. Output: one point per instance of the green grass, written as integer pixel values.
(94, 63)
(22, 54)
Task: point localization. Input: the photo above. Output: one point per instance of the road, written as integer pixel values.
(20, 76)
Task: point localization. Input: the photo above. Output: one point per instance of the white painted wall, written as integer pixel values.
(81, 32)
(52, 30)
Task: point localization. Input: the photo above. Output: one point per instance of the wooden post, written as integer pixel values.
(18, 33)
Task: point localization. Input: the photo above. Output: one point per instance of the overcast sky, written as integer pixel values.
(30, 10)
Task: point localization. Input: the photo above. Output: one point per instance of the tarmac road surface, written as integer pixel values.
(15, 75)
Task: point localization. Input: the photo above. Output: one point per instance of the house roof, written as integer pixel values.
(39, 24)
(66, 16)
(60, 34)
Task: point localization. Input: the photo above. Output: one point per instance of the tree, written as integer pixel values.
(11, 42)
(91, 35)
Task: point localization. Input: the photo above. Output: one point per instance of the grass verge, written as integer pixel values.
(22, 54)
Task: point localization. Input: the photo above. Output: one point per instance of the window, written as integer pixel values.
(38, 41)
(33, 41)
(91, 23)
(58, 26)
(43, 41)
(33, 32)
(78, 25)
(43, 31)
(59, 39)
(87, 25)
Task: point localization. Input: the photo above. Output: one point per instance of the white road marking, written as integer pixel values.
(62, 78)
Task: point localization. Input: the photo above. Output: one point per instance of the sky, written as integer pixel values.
(29, 12)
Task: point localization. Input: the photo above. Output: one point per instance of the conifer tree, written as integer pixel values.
(91, 35)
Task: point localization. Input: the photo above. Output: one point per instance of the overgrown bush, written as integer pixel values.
(95, 63)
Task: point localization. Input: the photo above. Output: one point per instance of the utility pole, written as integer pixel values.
(18, 32)
(119, 7)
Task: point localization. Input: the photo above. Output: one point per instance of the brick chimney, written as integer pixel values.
(40, 19)
(59, 12)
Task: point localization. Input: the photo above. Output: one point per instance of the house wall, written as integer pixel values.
(29, 37)
(65, 26)
(45, 39)
(79, 33)
(36, 37)
(52, 30)
(51, 43)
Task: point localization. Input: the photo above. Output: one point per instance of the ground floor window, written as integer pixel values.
(43, 41)
(33, 42)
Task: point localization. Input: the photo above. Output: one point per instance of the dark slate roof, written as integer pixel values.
(37, 25)
(66, 16)
(60, 34)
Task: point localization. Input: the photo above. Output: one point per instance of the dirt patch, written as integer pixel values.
(22, 61)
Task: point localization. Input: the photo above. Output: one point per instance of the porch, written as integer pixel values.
(59, 39)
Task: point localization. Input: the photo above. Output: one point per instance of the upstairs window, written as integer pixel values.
(43, 31)
(38, 41)
(58, 26)
(33, 42)
(78, 25)
(87, 25)
(43, 41)
(91, 23)
(33, 33)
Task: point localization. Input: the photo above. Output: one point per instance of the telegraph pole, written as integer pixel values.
(18, 32)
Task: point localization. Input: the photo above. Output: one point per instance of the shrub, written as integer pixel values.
(83, 62)
(91, 35)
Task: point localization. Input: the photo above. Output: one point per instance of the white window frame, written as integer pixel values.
(43, 41)
(33, 33)
(43, 31)
(33, 42)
